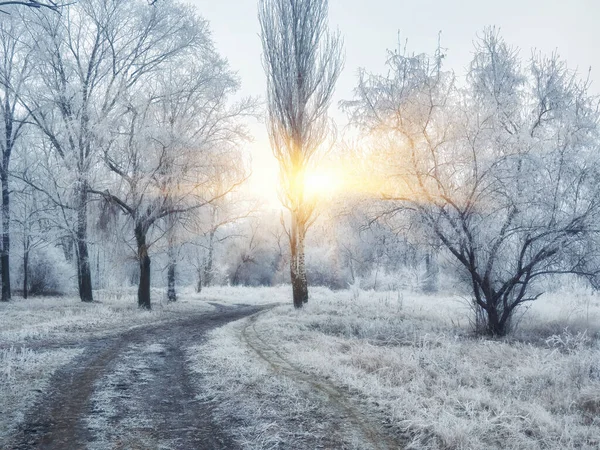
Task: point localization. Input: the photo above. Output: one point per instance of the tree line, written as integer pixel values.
(499, 168)
(120, 113)
(115, 102)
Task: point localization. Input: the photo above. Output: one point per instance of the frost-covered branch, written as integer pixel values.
(502, 171)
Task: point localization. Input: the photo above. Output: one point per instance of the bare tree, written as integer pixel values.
(302, 61)
(502, 172)
(205, 231)
(15, 68)
(222, 214)
(88, 56)
(172, 139)
(34, 227)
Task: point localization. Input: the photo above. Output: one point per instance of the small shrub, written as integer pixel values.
(569, 342)
(49, 273)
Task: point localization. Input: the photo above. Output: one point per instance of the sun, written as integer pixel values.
(321, 183)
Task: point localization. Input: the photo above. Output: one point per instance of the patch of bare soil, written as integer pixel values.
(131, 391)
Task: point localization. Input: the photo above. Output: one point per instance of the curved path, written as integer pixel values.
(130, 391)
(350, 417)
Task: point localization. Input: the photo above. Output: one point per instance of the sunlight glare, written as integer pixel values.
(322, 183)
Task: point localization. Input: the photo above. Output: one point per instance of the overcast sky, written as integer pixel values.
(369, 27)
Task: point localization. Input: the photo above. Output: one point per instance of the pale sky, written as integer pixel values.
(369, 27)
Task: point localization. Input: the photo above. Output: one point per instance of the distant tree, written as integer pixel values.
(34, 227)
(246, 256)
(302, 61)
(219, 227)
(502, 171)
(250, 256)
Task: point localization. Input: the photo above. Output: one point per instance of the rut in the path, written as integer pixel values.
(130, 392)
(353, 419)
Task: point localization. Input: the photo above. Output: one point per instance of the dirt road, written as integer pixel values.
(346, 420)
(131, 391)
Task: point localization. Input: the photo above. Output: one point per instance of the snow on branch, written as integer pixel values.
(50, 4)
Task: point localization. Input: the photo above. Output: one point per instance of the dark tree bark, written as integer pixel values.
(297, 265)
(5, 255)
(84, 273)
(430, 284)
(208, 267)
(199, 281)
(144, 261)
(299, 289)
(496, 323)
(172, 259)
(12, 129)
(26, 267)
(171, 272)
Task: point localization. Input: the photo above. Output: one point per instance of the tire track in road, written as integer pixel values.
(145, 377)
(338, 399)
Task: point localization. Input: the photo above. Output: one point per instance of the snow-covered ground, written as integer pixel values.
(40, 335)
(410, 362)
(67, 318)
(349, 368)
(24, 375)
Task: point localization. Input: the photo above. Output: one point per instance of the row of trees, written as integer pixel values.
(119, 112)
(116, 102)
(499, 168)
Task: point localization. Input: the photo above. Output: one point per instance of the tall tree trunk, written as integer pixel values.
(171, 292)
(144, 261)
(199, 281)
(172, 257)
(495, 326)
(430, 282)
(302, 268)
(208, 267)
(97, 274)
(67, 244)
(5, 255)
(297, 265)
(84, 275)
(25, 267)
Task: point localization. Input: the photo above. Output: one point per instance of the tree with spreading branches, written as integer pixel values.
(501, 171)
(15, 71)
(35, 4)
(171, 140)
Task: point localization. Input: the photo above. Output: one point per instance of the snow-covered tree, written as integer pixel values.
(501, 169)
(38, 4)
(172, 138)
(302, 61)
(87, 57)
(15, 69)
